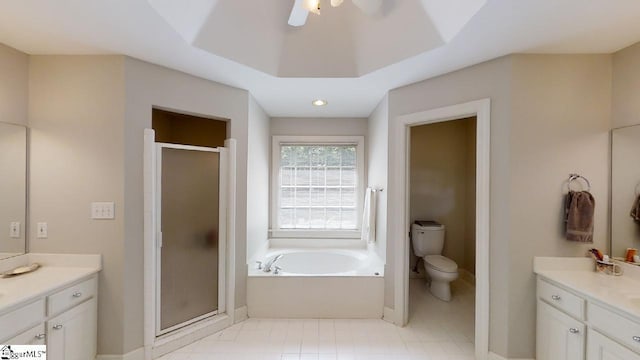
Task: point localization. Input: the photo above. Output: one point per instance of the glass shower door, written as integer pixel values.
(191, 247)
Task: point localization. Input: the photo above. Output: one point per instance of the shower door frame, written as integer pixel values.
(156, 346)
(222, 233)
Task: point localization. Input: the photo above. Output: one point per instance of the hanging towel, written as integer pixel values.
(579, 210)
(369, 216)
(635, 210)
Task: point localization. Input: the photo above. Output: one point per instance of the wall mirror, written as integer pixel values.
(13, 189)
(625, 189)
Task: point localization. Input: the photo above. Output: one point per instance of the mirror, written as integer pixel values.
(625, 189)
(13, 189)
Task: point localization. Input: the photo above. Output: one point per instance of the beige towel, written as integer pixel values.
(635, 210)
(579, 210)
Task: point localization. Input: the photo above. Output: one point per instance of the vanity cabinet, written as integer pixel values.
(572, 326)
(559, 336)
(601, 347)
(65, 319)
(72, 334)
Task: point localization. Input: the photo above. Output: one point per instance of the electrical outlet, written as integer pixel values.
(103, 210)
(41, 230)
(14, 230)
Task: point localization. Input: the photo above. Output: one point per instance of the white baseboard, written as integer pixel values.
(137, 354)
(241, 314)
(388, 315)
(494, 356)
(467, 276)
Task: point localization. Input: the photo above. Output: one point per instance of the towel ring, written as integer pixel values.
(573, 177)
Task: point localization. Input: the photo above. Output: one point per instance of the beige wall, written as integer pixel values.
(549, 116)
(560, 124)
(487, 80)
(626, 87)
(319, 126)
(377, 169)
(441, 174)
(76, 115)
(87, 115)
(148, 85)
(258, 177)
(14, 72)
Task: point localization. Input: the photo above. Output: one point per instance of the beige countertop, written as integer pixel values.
(621, 293)
(56, 272)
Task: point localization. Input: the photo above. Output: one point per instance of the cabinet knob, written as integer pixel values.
(574, 331)
(77, 294)
(57, 327)
(555, 297)
(636, 338)
(40, 336)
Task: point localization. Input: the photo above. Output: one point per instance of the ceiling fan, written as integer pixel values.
(302, 8)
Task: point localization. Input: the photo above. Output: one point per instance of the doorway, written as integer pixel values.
(442, 166)
(400, 201)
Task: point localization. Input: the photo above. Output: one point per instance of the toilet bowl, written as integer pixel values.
(428, 241)
(442, 271)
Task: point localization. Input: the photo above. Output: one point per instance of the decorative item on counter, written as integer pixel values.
(636, 258)
(604, 264)
(597, 254)
(21, 270)
(608, 268)
(631, 252)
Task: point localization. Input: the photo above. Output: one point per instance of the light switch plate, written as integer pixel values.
(14, 230)
(103, 210)
(42, 231)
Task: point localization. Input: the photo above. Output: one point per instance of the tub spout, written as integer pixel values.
(269, 264)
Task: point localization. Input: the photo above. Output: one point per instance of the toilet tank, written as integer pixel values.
(427, 238)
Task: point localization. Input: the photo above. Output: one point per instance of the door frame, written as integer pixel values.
(222, 232)
(401, 227)
(155, 346)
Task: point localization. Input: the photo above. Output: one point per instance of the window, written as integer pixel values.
(317, 186)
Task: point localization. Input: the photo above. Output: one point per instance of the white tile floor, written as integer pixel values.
(436, 330)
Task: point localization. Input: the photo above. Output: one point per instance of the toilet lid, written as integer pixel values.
(441, 263)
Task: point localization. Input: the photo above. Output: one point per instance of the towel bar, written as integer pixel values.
(573, 177)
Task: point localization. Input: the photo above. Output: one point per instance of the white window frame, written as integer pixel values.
(277, 142)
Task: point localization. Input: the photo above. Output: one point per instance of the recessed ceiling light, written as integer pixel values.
(319, 102)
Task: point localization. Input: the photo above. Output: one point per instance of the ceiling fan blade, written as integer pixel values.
(299, 14)
(369, 7)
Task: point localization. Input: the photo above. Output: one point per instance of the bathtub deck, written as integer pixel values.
(315, 297)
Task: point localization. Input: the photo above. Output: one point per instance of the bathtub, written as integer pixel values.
(317, 284)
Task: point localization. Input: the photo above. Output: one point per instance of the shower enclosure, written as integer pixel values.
(190, 232)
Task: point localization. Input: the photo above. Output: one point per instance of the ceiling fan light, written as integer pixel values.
(336, 3)
(312, 6)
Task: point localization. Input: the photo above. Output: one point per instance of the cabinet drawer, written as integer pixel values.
(72, 296)
(33, 336)
(21, 319)
(615, 326)
(561, 299)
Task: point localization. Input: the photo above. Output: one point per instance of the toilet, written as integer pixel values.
(427, 238)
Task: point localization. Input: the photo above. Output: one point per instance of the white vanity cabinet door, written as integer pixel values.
(601, 347)
(33, 336)
(72, 335)
(559, 336)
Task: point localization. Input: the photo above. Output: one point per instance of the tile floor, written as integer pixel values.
(436, 331)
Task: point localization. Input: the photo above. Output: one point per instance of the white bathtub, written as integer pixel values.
(317, 284)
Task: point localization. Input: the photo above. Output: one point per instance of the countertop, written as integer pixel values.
(621, 293)
(49, 278)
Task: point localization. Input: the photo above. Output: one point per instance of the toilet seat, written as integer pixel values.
(441, 263)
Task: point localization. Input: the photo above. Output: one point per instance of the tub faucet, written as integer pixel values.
(269, 264)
